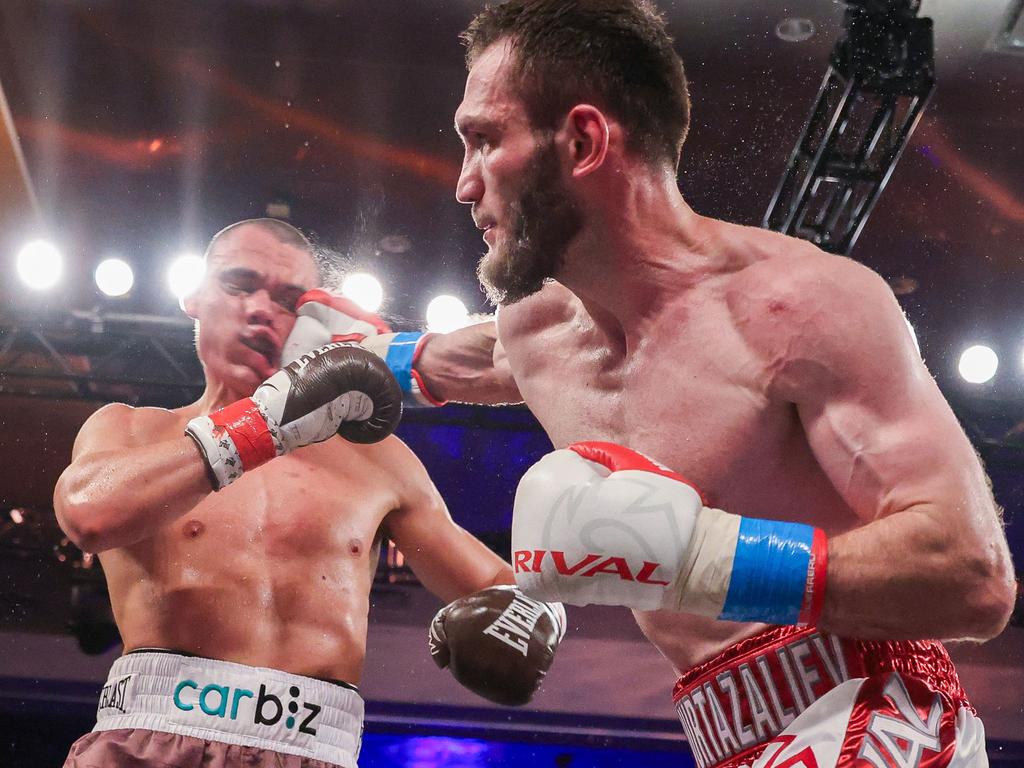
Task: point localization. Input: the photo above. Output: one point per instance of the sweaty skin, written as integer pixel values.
(782, 381)
(275, 570)
(717, 386)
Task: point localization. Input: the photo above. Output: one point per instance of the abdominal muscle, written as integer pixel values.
(245, 577)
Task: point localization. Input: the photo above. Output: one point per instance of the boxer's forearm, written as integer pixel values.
(116, 498)
(912, 576)
(468, 366)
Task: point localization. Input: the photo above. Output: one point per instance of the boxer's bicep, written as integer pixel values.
(928, 557)
(873, 416)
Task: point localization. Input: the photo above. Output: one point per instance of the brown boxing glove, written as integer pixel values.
(497, 642)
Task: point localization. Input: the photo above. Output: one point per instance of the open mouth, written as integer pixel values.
(264, 347)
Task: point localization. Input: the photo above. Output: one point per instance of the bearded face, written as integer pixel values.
(541, 222)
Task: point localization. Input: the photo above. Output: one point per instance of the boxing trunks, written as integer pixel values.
(167, 709)
(795, 697)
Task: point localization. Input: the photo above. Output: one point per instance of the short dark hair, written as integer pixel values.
(616, 54)
(330, 265)
(282, 230)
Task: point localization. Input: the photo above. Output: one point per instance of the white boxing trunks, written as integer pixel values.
(264, 714)
(795, 697)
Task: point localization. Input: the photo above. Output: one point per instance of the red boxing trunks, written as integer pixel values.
(797, 697)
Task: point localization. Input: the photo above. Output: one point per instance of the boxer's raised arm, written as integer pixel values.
(121, 485)
(930, 558)
(449, 560)
(468, 366)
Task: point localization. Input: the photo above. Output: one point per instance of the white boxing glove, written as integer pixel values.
(323, 318)
(600, 523)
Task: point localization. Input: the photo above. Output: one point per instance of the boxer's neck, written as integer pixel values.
(641, 248)
(218, 394)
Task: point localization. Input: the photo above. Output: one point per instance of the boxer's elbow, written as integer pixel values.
(79, 515)
(991, 595)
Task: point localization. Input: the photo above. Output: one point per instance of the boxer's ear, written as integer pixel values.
(589, 134)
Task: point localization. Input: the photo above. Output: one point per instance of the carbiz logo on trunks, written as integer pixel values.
(223, 701)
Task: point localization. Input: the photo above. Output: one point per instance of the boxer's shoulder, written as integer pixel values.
(803, 312)
(127, 425)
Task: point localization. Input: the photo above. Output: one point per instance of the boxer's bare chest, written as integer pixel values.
(300, 509)
(295, 533)
(691, 394)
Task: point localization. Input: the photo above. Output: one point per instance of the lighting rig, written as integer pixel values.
(880, 77)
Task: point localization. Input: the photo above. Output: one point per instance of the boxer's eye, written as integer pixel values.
(287, 299)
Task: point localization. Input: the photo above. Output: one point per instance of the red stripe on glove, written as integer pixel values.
(618, 457)
(814, 592)
(416, 374)
(342, 304)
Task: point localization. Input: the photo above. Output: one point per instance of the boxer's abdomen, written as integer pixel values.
(233, 581)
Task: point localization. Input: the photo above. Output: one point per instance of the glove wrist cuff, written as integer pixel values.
(235, 439)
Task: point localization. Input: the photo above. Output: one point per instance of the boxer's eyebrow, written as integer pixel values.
(474, 124)
(240, 273)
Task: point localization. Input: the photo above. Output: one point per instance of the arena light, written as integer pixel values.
(364, 289)
(446, 313)
(978, 364)
(40, 265)
(185, 274)
(114, 277)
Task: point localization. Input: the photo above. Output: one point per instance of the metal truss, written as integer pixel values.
(880, 77)
(135, 359)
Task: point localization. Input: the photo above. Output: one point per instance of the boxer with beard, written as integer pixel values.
(834, 521)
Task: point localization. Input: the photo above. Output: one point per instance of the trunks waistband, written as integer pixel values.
(756, 687)
(232, 703)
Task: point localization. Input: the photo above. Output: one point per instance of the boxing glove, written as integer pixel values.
(339, 388)
(600, 523)
(497, 642)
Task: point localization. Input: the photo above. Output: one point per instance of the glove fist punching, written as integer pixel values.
(497, 642)
(337, 389)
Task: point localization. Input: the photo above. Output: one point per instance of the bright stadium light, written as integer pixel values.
(114, 277)
(185, 274)
(365, 290)
(446, 313)
(978, 364)
(40, 265)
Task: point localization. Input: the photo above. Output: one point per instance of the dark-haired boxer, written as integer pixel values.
(839, 497)
(239, 538)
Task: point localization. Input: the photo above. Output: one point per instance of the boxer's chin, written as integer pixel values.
(510, 274)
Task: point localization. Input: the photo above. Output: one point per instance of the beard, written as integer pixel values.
(541, 223)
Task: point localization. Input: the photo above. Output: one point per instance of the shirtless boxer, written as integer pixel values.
(244, 611)
(781, 381)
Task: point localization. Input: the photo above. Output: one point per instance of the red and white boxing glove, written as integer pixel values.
(600, 523)
(324, 317)
(340, 388)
